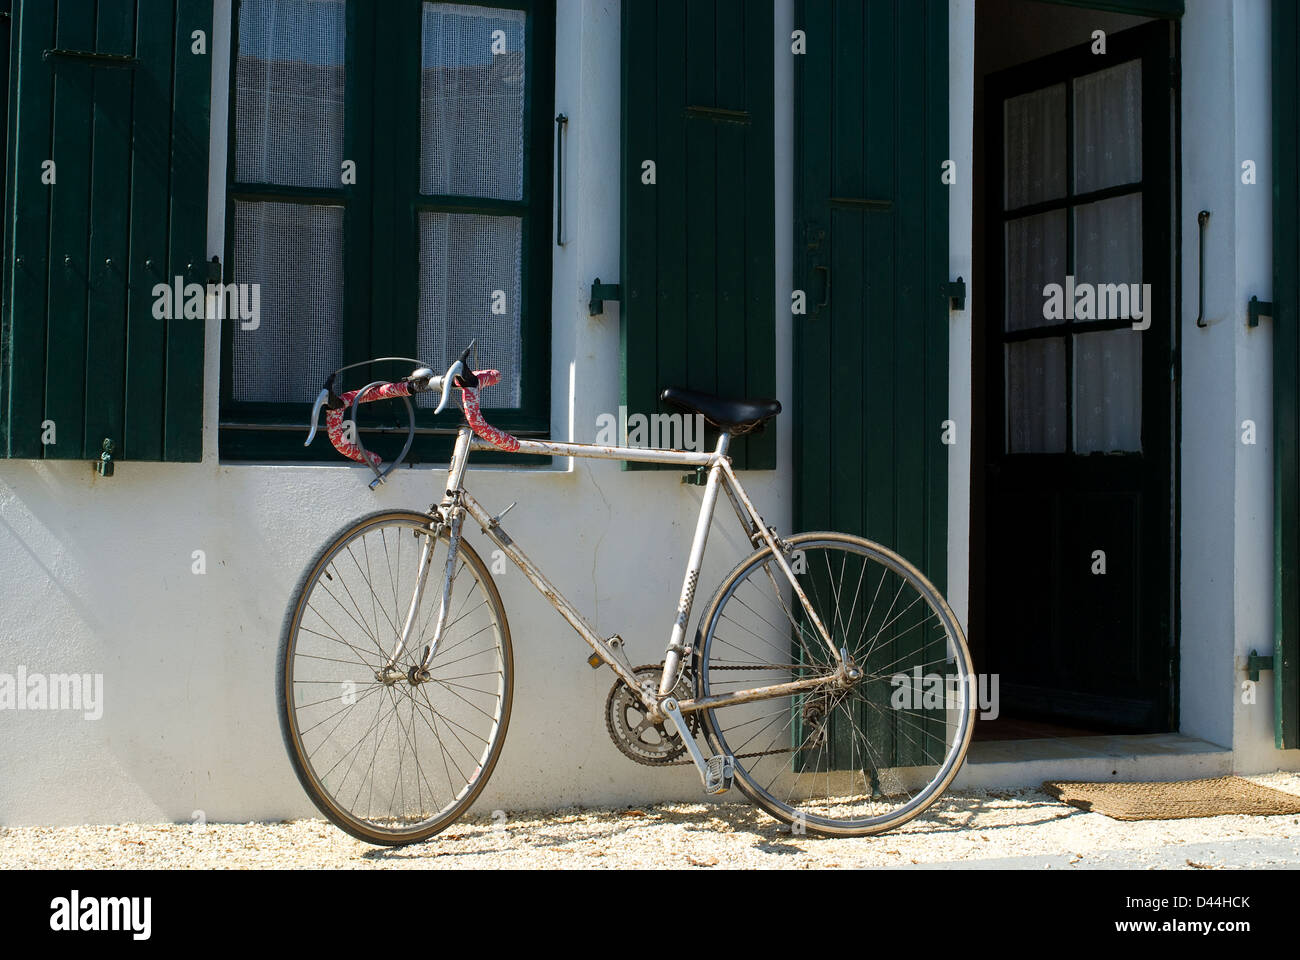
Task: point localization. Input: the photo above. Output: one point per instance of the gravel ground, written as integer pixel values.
(967, 826)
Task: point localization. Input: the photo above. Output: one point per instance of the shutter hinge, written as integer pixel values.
(214, 270)
(1255, 663)
(600, 292)
(1258, 308)
(956, 292)
(94, 59)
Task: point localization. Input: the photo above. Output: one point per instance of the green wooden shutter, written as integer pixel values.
(1286, 371)
(118, 98)
(871, 357)
(698, 256)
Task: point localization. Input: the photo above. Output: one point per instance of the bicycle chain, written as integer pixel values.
(739, 756)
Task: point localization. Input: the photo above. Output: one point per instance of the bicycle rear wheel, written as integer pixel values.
(845, 759)
(393, 762)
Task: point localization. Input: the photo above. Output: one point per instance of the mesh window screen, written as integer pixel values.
(294, 252)
(469, 270)
(472, 101)
(289, 92)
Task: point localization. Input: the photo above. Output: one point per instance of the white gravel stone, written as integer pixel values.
(967, 825)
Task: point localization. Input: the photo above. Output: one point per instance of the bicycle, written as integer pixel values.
(394, 705)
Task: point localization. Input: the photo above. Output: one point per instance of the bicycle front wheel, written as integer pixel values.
(847, 758)
(393, 761)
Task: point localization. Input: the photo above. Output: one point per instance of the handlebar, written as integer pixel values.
(422, 380)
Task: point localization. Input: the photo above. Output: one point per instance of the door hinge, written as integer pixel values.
(214, 270)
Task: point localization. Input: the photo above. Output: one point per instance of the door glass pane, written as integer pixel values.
(1035, 384)
(469, 270)
(472, 101)
(1108, 127)
(1035, 257)
(1108, 242)
(1108, 392)
(294, 253)
(1034, 145)
(289, 92)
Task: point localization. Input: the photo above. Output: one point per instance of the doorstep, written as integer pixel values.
(1156, 756)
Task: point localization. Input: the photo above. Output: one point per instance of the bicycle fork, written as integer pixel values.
(452, 514)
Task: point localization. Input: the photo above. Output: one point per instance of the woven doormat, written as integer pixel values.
(1175, 801)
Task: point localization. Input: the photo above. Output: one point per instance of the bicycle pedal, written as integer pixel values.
(595, 662)
(719, 773)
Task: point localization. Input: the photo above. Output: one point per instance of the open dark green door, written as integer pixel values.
(871, 353)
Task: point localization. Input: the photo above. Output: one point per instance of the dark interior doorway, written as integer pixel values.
(1072, 526)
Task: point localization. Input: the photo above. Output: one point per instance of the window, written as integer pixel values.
(389, 194)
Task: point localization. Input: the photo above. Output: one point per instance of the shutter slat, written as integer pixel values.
(758, 451)
(638, 331)
(731, 143)
(671, 220)
(183, 411)
(65, 372)
(109, 235)
(146, 361)
(28, 263)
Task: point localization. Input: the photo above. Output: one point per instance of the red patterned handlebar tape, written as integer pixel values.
(334, 418)
(474, 416)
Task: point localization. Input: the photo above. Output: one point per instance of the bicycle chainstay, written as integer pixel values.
(741, 756)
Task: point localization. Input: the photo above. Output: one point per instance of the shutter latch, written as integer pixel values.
(600, 292)
(104, 465)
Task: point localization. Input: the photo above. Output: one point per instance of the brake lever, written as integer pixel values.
(449, 381)
(321, 399)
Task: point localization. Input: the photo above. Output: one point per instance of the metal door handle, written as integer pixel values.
(827, 298)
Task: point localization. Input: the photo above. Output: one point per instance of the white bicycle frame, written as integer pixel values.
(660, 703)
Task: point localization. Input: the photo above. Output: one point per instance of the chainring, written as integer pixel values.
(634, 735)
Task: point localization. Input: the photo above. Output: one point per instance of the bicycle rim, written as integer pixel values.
(848, 759)
(393, 762)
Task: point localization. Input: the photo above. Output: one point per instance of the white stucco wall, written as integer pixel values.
(95, 575)
(1227, 486)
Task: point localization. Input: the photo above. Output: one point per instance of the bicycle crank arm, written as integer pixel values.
(716, 772)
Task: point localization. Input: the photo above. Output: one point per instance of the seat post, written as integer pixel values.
(724, 442)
